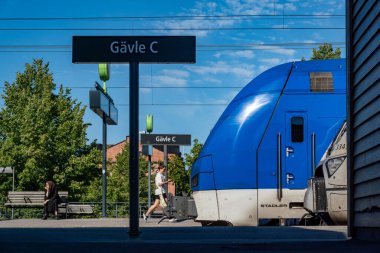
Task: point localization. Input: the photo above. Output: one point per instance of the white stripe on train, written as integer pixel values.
(244, 207)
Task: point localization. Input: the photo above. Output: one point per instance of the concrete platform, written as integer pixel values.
(90, 223)
(111, 235)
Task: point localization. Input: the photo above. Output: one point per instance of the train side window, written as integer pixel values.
(321, 81)
(297, 129)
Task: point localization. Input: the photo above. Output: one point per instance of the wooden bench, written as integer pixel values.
(72, 208)
(30, 198)
(36, 199)
(19, 199)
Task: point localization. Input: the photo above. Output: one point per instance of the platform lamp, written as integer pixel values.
(149, 123)
(104, 75)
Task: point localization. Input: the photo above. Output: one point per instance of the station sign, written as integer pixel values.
(166, 139)
(143, 49)
(102, 104)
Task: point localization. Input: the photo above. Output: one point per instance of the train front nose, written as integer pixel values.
(203, 186)
(202, 174)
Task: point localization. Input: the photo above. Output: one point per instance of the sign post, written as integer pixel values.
(149, 129)
(133, 50)
(102, 104)
(134, 148)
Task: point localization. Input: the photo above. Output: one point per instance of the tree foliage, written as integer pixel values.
(325, 51)
(118, 180)
(177, 172)
(43, 135)
(179, 169)
(194, 153)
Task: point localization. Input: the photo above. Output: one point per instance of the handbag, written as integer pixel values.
(162, 200)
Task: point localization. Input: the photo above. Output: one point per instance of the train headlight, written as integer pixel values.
(194, 181)
(334, 164)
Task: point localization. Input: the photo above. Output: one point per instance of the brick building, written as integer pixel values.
(158, 154)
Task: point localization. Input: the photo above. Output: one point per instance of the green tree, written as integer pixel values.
(325, 51)
(43, 135)
(118, 180)
(177, 172)
(194, 153)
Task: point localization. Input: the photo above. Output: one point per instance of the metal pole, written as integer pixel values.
(149, 178)
(13, 180)
(166, 160)
(13, 188)
(313, 153)
(104, 167)
(279, 167)
(134, 149)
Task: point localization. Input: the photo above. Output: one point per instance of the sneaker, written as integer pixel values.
(44, 217)
(145, 217)
(172, 220)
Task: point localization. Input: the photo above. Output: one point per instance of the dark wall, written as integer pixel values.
(364, 118)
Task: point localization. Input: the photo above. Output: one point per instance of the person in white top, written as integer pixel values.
(161, 184)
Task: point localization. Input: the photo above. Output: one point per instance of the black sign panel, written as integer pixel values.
(166, 139)
(101, 103)
(149, 49)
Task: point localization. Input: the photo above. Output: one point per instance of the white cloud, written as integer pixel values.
(290, 7)
(248, 54)
(145, 90)
(205, 8)
(171, 77)
(207, 80)
(212, 5)
(308, 41)
(204, 96)
(242, 70)
(317, 36)
(145, 80)
(175, 72)
(175, 26)
(251, 7)
(280, 26)
(279, 50)
(169, 81)
(270, 61)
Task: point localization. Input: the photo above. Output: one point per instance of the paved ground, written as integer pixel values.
(111, 235)
(90, 223)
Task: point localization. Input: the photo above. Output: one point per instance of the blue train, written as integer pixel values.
(255, 163)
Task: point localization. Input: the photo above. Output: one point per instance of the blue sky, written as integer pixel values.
(236, 41)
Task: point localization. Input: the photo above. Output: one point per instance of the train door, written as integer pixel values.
(282, 168)
(296, 149)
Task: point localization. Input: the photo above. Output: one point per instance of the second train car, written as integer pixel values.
(255, 163)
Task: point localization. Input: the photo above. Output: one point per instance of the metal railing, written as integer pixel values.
(113, 210)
